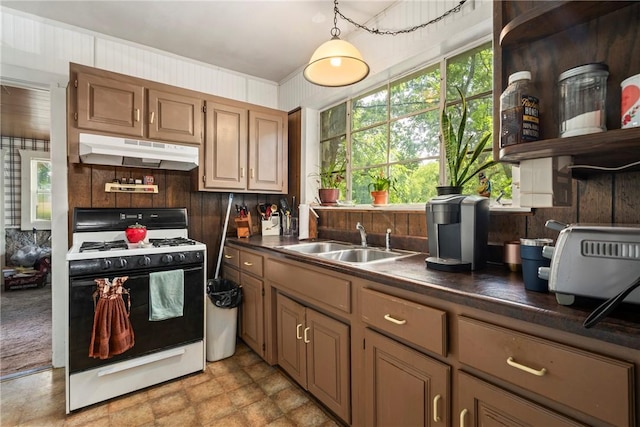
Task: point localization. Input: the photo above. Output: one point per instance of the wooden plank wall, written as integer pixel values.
(206, 210)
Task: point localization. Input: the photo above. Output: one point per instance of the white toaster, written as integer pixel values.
(596, 261)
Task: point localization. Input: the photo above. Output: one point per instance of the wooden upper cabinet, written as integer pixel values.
(110, 105)
(174, 118)
(244, 150)
(224, 162)
(124, 107)
(268, 168)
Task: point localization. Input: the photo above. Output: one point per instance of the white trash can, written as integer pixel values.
(224, 297)
(221, 331)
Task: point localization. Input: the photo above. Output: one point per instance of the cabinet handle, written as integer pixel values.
(251, 173)
(248, 264)
(298, 336)
(241, 172)
(463, 415)
(228, 256)
(436, 400)
(137, 114)
(536, 372)
(153, 115)
(394, 320)
(306, 337)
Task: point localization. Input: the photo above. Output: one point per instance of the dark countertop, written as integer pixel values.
(494, 289)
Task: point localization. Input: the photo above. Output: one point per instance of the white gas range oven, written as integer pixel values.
(113, 346)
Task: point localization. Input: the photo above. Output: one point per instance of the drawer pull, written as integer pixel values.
(536, 372)
(463, 416)
(248, 264)
(298, 336)
(306, 338)
(394, 320)
(228, 256)
(436, 400)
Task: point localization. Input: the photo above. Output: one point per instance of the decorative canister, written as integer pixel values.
(583, 91)
(630, 102)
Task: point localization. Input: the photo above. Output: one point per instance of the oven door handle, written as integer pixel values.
(83, 282)
(145, 360)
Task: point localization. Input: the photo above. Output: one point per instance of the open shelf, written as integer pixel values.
(114, 187)
(552, 17)
(612, 149)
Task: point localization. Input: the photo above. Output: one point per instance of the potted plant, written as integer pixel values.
(379, 187)
(330, 177)
(461, 164)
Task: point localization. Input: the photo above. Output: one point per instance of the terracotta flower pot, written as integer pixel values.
(328, 196)
(380, 197)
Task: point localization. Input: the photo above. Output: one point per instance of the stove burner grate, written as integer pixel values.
(103, 246)
(174, 241)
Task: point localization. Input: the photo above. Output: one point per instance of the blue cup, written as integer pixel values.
(532, 259)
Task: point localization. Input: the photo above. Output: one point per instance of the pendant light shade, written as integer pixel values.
(336, 63)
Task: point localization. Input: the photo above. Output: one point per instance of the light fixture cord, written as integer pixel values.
(391, 32)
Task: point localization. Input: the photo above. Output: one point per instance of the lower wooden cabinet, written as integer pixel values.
(314, 350)
(482, 404)
(403, 386)
(252, 317)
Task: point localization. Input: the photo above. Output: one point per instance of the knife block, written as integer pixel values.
(243, 225)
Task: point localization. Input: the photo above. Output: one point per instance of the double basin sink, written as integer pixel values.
(346, 252)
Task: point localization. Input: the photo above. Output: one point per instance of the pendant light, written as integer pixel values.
(336, 62)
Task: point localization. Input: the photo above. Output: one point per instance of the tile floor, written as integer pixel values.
(242, 390)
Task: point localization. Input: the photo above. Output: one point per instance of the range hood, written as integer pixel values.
(117, 151)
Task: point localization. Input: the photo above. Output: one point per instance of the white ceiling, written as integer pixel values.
(270, 39)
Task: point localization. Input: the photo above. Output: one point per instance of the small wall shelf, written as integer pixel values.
(114, 187)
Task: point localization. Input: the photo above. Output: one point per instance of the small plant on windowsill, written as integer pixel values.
(330, 177)
(380, 186)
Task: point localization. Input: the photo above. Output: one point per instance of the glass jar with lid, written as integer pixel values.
(582, 96)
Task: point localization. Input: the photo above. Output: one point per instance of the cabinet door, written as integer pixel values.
(290, 337)
(328, 356)
(267, 152)
(110, 105)
(175, 118)
(225, 148)
(403, 387)
(252, 322)
(482, 404)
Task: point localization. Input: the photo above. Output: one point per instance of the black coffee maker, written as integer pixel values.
(458, 230)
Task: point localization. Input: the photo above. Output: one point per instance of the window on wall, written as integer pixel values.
(395, 128)
(36, 190)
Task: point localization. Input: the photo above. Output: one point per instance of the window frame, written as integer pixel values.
(441, 65)
(28, 179)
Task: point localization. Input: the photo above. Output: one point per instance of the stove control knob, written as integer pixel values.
(180, 257)
(198, 256)
(167, 258)
(121, 263)
(145, 261)
(106, 264)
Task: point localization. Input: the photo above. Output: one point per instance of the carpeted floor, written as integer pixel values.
(25, 329)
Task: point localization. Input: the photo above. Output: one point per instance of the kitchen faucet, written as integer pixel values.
(363, 235)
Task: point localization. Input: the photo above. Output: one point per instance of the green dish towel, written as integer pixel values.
(166, 294)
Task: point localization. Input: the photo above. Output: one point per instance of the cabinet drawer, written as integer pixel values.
(319, 288)
(231, 256)
(595, 385)
(416, 323)
(251, 263)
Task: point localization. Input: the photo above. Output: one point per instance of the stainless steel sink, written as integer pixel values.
(317, 247)
(364, 255)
